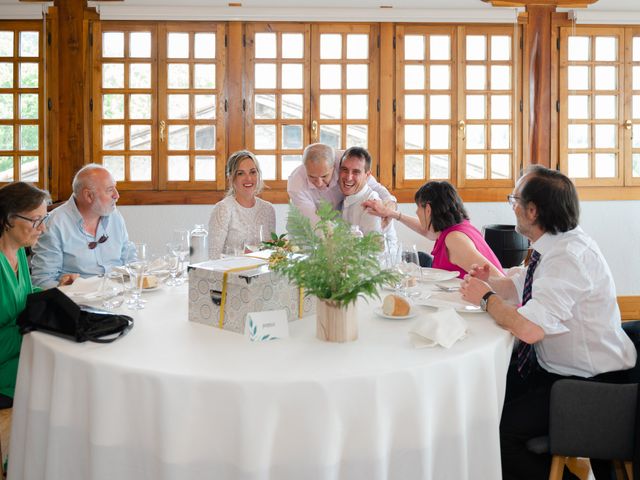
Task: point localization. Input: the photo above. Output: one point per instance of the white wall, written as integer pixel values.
(614, 225)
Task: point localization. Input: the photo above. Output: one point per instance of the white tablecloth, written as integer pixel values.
(182, 401)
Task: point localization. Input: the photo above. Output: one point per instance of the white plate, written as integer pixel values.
(436, 275)
(378, 311)
(151, 289)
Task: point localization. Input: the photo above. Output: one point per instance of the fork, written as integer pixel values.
(447, 288)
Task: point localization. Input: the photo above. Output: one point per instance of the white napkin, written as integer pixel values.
(444, 327)
(158, 265)
(83, 287)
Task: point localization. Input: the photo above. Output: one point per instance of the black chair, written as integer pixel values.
(597, 420)
(425, 259)
(509, 246)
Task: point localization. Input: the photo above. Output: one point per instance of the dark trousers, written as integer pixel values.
(525, 416)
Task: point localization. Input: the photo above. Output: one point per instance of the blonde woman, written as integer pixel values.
(238, 217)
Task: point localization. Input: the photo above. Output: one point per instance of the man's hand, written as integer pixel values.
(473, 289)
(67, 279)
(480, 272)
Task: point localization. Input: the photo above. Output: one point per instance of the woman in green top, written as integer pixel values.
(23, 209)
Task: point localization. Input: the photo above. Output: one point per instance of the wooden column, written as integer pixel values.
(73, 90)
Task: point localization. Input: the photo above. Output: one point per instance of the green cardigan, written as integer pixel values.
(13, 296)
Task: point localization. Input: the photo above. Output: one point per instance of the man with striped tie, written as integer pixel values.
(561, 308)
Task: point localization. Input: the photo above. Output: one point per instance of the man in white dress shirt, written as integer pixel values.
(353, 177)
(317, 179)
(562, 308)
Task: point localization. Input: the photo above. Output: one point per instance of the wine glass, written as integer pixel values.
(180, 248)
(408, 267)
(137, 268)
(254, 240)
(172, 261)
(112, 291)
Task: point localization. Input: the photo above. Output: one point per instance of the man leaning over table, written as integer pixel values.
(354, 172)
(86, 235)
(317, 179)
(562, 308)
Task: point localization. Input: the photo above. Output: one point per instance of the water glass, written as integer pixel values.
(254, 239)
(136, 271)
(112, 291)
(180, 248)
(172, 263)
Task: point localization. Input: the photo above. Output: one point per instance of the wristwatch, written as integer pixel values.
(485, 299)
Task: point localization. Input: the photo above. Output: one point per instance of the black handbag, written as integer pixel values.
(51, 311)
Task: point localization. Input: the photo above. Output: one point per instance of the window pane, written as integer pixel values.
(636, 137)
(439, 166)
(500, 107)
(292, 106)
(292, 75)
(140, 106)
(140, 168)
(476, 77)
(205, 168)
(500, 77)
(115, 165)
(113, 106)
(439, 107)
(357, 136)
(440, 77)
(265, 137)
(439, 137)
(265, 75)
(291, 137)
(140, 137)
(475, 167)
(6, 106)
(330, 46)
(29, 137)
(204, 47)
(578, 136)
(265, 45)
(578, 106)
(606, 78)
(6, 48)
(635, 81)
(357, 106)
(636, 164)
(289, 164)
(330, 106)
(476, 47)
(204, 76)
(605, 165)
(606, 136)
(475, 107)
(357, 46)
(28, 105)
(265, 106)
(578, 78)
(205, 137)
(6, 137)
(140, 44)
(330, 134)
(112, 75)
(578, 49)
(330, 76)
(178, 106)
(636, 106)
(636, 49)
(29, 168)
(6, 167)
(500, 47)
(139, 75)
(29, 46)
(414, 47)
(414, 137)
(500, 166)
(413, 77)
(6, 75)
(178, 75)
(413, 167)
(606, 49)
(414, 108)
(292, 45)
(205, 106)
(113, 137)
(439, 47)
(476, 137)
(178, 45)
(268, 166)
(578, 165)
(29, 75)
(178, 168)
(113, 44)
(357, 76)
(606, 106)
(178, 137)
(500, 137)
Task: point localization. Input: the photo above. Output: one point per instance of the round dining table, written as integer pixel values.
(179, 400)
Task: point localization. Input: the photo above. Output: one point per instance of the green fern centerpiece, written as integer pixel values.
(332, 263)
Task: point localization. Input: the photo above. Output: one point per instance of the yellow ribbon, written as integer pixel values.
(225, 276)
(301, 303)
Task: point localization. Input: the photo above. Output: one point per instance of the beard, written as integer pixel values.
(104, 210)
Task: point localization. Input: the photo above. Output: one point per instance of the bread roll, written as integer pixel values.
(395, 306)
(149, 281)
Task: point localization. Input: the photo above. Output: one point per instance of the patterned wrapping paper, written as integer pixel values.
(246, 290)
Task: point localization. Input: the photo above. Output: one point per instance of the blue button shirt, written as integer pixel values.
(63, 248)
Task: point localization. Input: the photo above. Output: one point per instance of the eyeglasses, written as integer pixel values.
(35, 222)
(102, 239)
(513, 199)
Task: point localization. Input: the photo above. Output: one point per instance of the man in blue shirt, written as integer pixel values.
(86, 235)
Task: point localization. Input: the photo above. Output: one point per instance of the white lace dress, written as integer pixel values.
(231, 225)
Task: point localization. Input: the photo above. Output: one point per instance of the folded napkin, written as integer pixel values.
(83, 287)
(444, 327)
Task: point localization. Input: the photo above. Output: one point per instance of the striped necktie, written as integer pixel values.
(525, 353)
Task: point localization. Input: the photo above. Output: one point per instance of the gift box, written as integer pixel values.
(222, 292)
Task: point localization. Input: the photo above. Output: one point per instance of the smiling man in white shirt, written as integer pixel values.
(317, 179)
(562, 308)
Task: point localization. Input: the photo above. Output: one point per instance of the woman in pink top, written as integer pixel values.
(443, 218)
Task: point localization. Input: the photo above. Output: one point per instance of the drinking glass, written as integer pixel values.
(112, 291)
(180, 248)
(410, 263)
(137, 268)
(254, 240)
(172, 262)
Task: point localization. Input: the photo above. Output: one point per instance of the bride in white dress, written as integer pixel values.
(239, 217)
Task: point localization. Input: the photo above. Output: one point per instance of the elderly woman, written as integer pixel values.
(443, 218)
(237, 219)
(23, 210)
